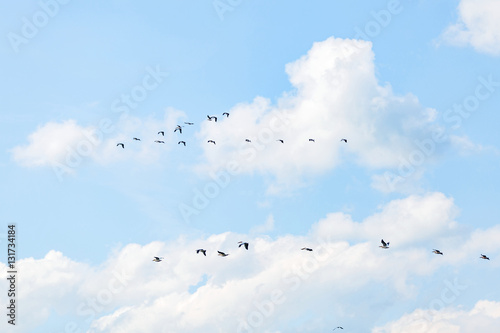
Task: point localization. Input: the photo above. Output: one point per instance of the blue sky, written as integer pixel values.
(386, 75)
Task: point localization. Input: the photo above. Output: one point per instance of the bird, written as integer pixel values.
(178, 128)
(211, 141)
(159, 141)
(384, 244)
(306, 248)
(120, 144)
(248, 140)
(162, 133)
(312, 140)
(222, 254)
(188, 123)
(202, 251)
(226, 114)
(136, 139)
(345, 140)
(212, 117)
(157, 259)
(484, 257)
(437, 252)
(243, 243)
(338, 327)
(183, 142)
(280, 141)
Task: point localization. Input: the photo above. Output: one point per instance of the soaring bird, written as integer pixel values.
(280, 141)
(178, 128)
(120, 144)
(188, 123)
(338, 327)
(437, 252)
(384, 244)
(212, 117)
(183, 142)
(248, 140)
(159, 141)
(306, 248)
(202, 251)
(157, 259)
(162, 133)
(345, 140)
(226, 114)
(312, 140)
(222, 254)
(484, 257)
(243, 243)
(211, 141)
(136, 139)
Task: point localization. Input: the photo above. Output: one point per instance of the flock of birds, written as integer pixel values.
(209, 118)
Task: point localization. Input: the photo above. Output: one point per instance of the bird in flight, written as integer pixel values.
(345, 140)
(384, 244)
(280, 141)
(188, 123)
(136, 139)
(202, 251)
(120, 144)
(338, 327)
(178, 128)
(248, 140)
(183, 142)
(484, 257)
(211, 141)
(159, 141)
(312, 140)
(212, 117)
(306, 248)
(162, 133)
(157, 259)
(244, 244)
(437, 252)
(222, 254)
(226, 114)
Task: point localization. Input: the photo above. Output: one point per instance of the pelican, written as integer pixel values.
(202, 251)
(162, 133)
(212, 117)
(280, 141)
(188, 123)
(222, 254)
(178, 128)
(159, 141)
(120, 144)
(136, 139)
(306, 248)
(226, 114)
(384, 244)
(157, 259)
(183, 142)
(211, 141)
(345, 140)
(484, 257)
(248, 140)
(437, 252)
(312, 140)
(244, 244)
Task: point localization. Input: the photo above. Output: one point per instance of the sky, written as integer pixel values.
(412, 86)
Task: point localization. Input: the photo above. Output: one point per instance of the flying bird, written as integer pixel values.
(183, 142)
(120, 144)
(306, 248)
(222, 254)
(178, 128)
(243, 243)
(136, 139)
(312, 140)
(437, 252)
(248, 140)
(212, 117)
(345, 140)
(280, 141)
(157, 259)
(484, 257)
(202, 251)
(211, 141)
(162, 133)
(159, 141)
(338, 327)
(384, 244)
(188, 123)
(225, 114)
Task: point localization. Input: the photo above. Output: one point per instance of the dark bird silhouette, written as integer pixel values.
(306, 248)
(120, 144)
(345, 140)
(211, 141)
(162, 133)
(384, 244)
(280, 141)
(159, 141)
(248, 140)
(437, 252)
(312, 140)
(210, 118)
(157, 259)
(244, 244)
(188, 123)
(226, 114)
(222, 254)
(484, 257)
(136, 139)
(178, 128)
(338, 327)
(202, 251)
(183, 142)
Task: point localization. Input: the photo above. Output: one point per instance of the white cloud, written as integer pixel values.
(267, 287)
(336, 95)
(478, 25)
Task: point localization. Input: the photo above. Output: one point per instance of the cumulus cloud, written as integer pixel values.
(335, 95)
(268, 288)
(478, 25)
